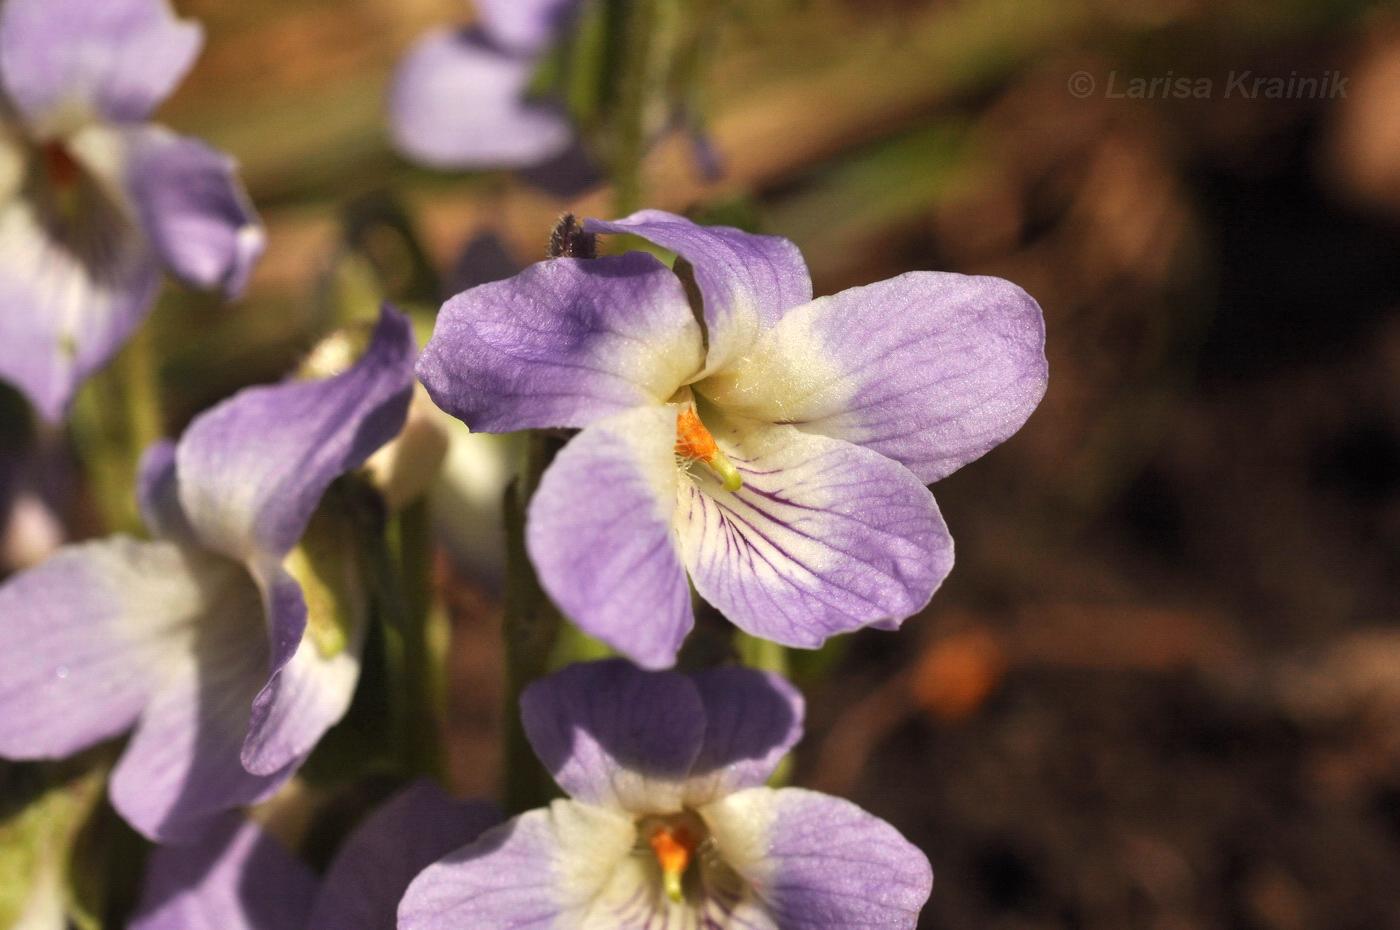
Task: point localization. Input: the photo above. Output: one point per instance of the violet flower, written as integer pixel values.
(668, 822)
(240, 878)
(775, 450)
(460, 98)
(94, 200)
(203, 639)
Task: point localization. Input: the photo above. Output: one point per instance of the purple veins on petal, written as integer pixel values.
(776, 446)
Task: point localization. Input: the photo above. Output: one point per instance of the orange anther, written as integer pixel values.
(674, 847)
(693, 441)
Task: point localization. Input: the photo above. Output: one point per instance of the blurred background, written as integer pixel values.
(1162, 687)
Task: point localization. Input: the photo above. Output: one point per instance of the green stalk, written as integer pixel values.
(418, 664)
(115, 419)
(530, 628)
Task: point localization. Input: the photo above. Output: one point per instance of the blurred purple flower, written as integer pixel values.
(668, 822)
(460, 99)
(200, 638)
(776, 451)
(240, 878)
(94, 200)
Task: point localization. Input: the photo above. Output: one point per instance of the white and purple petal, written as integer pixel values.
(371, 871)
(237, 877)
(253, 468)
(752, 720)
(82, 639)
(70, 295)
(460, 102)
(194, 209)
(182, 769)
(567, 865)
(563, 344)
(119, 58)
(615, 735)
(816, 862)
(601, 536)
(301, 700)
(824, 537)
(747, 281)
(930, 369)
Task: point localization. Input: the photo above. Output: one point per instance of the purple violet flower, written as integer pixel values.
(200, 639)
(460, 99)
(240, 878)
(776, 450)
(94, 200)
(668, 822)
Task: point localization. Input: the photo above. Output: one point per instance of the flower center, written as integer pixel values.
(694, 443)
(62, 168)
(674, 840)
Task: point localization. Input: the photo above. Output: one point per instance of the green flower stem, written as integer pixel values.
(117, 416)
(416, 646)
(530, 628)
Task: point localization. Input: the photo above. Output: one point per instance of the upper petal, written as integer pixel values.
(194, 209)
(752, 720)
(748, 282)
(562, 344)
(120, 57)
(823, 538)
(524, 25)
(253, 468)
(158, 493)
(181, 770)
(375, 865)
(569, 865)
(615, 735)
(601, 535)
(81, 637)
(820, 863)
(459, 102)
(66, 308)
(237, 877)
(930, 369)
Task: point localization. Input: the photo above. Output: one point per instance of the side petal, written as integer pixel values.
(121, 57)
(614, 735)
(929, 369)
(66, 308)
(748, 282)
(752, 720)
(236, 878)
(182, 770)
(823, 538)
(601, 535)
(818, 862)
(526, 26)
(81, 638)
(194, 209)
(299, 703)
(457, 102)
(374, 867)
(567, 865)
(253, 468)
(562, 344)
